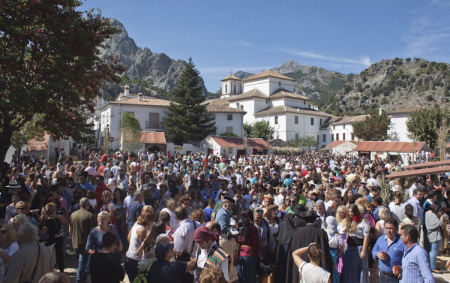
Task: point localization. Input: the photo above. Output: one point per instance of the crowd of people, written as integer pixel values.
(310, 217)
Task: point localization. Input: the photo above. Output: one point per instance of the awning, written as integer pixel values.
(429, 164)
(418, 172)
(153, 138)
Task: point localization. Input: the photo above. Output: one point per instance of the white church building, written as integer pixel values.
(269, 96)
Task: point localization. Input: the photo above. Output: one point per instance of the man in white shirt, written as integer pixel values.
(183, 238)
(413, 187)
(415, 203)
(279, 199)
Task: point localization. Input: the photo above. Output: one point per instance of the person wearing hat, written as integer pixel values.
(209, 253)
(166, 269)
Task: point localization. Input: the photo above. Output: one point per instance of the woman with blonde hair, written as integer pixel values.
(9, 247)
(384, 215)
(136, 238)
(341, 218)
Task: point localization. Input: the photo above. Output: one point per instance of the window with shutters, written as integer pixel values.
(153, 121)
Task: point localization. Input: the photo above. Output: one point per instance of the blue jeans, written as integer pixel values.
(246, 269)
(82, 265)
(435, 247)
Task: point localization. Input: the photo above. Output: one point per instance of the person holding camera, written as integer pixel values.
(51, 223)
(226, 239)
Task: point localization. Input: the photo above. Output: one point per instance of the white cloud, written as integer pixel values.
(364, 61)
(429, 31)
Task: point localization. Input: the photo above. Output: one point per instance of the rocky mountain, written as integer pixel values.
(317, 83)
(146, 72)
(393, 84)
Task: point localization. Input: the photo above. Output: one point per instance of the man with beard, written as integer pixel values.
(302, 237)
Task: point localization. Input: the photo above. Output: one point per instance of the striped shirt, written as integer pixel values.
(415, 266)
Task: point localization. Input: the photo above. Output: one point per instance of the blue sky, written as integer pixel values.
(231, 35)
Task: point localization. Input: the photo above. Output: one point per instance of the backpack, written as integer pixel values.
(142, 278)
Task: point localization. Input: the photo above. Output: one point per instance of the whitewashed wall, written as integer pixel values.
(339, 129)
(398, 130)
(222, 123)
(269, 85)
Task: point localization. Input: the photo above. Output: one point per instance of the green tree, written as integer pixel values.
(247, 128)
(32, 129)
(424, 124)
(131, 132)
(187, 118)
(373, 127)
(50, 64)
(260, 129)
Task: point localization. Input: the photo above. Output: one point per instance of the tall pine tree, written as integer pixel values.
(187, 118)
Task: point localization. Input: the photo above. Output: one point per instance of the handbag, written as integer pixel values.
(35, 266)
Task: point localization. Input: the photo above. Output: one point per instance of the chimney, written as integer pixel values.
(140, 96)
(126, 90)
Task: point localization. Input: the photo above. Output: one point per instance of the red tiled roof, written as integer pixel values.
(257, 143)
(39, 144)
(381, 146)
(153, 137)
(429, 164)
(417, 172)
(337, 143)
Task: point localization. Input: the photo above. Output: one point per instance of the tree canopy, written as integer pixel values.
(50, 65)
(187, 118)
(424, 124)
(260, 129)
(373, 128)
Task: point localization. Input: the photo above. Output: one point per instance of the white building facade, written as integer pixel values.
(150, 113)
(341, 128)
(269, 96)
(398, 130)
